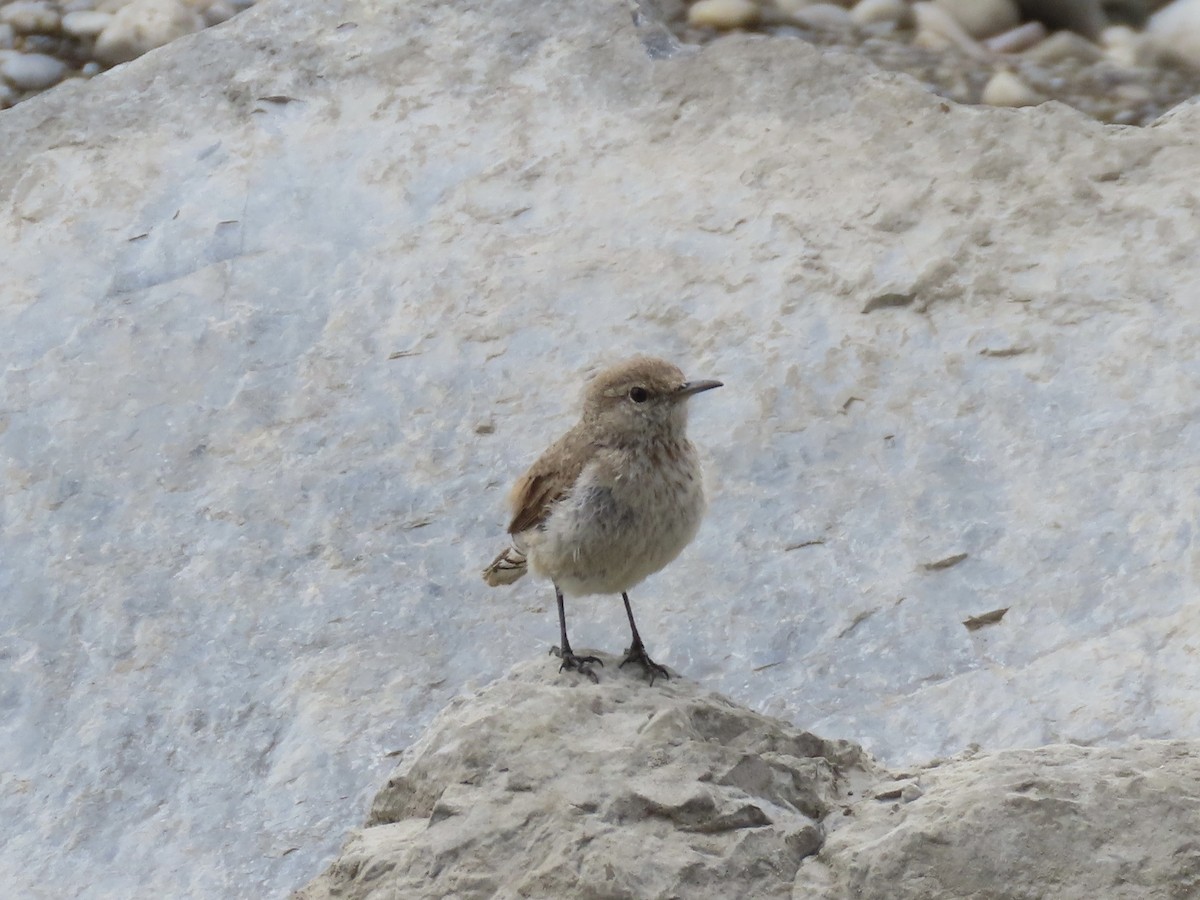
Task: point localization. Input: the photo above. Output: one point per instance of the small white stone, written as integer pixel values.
(882, 12)
(90, 69)
(1127, 48)
(822, 15)
(8, 37)
(723, 14)
(982, 18)
(30, 17)
(85, 23)
(218, 11)
(1017, 39)
(32, 71)
(937, 30)
(143, 25)
(1064, 45)
(1175, 31)
(1006, 89)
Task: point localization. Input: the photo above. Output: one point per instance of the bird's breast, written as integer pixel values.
(629, 514)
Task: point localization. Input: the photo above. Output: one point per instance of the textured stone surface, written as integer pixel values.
(1066, 822)
(290, 302)
(542, 786)
(545, 787)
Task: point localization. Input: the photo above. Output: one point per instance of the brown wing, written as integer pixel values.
(547, 481)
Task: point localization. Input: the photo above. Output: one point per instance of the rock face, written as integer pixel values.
(288, 303)
(548, 786)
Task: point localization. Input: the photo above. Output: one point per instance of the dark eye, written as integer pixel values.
(639, 394)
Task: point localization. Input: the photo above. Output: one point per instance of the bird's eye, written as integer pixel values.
(639, 394)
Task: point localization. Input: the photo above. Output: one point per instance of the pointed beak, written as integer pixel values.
(696, 387)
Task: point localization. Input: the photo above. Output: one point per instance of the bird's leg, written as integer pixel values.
(637, 650)
(581, 664)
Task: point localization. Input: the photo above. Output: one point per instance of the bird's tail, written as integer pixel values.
(506, 568)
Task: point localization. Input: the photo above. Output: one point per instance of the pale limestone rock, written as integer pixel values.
(982, 18)
(1073, 823)
(545, 787)
(286, 304)
(142, 25)
(540, 787)
(724, 13)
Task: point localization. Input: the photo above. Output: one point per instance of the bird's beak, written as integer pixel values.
(695, 387)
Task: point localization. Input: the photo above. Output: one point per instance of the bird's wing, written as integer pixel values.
(547, 481)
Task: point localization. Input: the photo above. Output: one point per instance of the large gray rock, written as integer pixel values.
(544, 787)
(240, 541)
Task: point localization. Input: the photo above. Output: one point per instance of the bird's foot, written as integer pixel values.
(637, 653)
(580, 664)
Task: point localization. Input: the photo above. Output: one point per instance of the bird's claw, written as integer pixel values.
(637, 653)
(580, 664)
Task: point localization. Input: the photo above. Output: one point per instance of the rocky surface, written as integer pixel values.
(544, 786)
(548, 786)
(1065, 822)
(288, 303)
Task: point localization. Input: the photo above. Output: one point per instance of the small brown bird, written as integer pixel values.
(613, 500)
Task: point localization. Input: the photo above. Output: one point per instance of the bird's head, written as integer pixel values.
(641, 398)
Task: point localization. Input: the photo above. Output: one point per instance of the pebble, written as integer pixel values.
(32, 71)
(219, 11)
(30, 17)
(938, 30)
(1006, 89)
(85, 23)
(1064, 45)
(142, 25)
(724, 14)
(822, 15)
(983, 18)
(1175, 32)
(7, 37)
(882, 12)
(1126, 47)
(1017, 39)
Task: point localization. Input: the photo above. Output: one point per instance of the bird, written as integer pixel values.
(612, 501)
